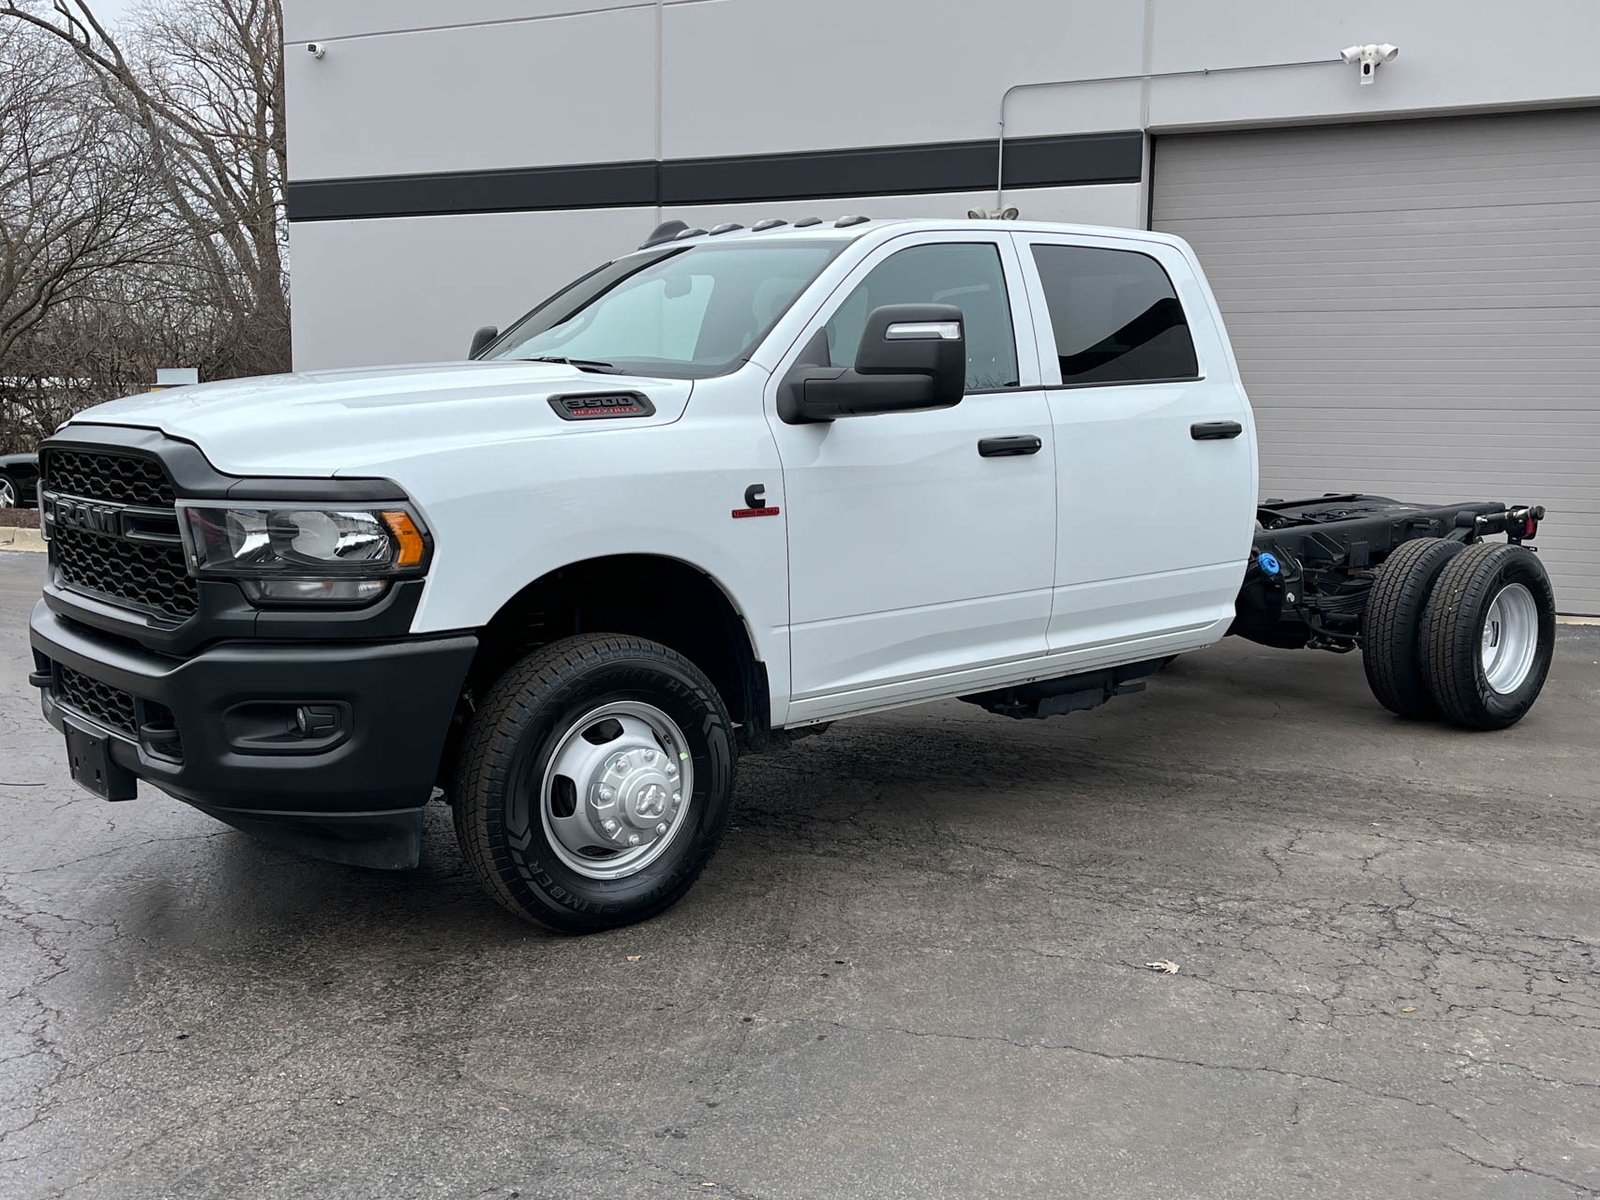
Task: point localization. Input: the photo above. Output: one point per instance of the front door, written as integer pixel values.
(916, 552)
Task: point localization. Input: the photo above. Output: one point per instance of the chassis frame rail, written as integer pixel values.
(1314, 561)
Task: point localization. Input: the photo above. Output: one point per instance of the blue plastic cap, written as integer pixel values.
(1269, 564)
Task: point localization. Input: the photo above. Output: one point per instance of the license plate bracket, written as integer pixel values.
(89, 758)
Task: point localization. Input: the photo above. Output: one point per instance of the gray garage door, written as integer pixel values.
(1416, 309)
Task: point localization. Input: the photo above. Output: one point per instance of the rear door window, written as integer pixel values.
(1115, 316)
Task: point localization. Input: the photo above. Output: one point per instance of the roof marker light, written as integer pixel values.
(664, 232)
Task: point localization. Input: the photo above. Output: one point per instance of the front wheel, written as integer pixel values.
(595, 783)
(9, 496)
(1488, 636)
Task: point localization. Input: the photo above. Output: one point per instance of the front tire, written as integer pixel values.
(10, 496)
(595, 783)
(1488, 636)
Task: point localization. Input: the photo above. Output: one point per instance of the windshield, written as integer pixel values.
(683, 312)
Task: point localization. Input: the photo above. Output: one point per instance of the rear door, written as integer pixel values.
(1154, 442)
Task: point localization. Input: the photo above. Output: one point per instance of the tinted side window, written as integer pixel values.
(967, 275)
(1115, 315)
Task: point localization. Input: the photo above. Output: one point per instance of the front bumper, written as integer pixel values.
(193, 728)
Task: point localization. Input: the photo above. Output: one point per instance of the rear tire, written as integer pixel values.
(1391, 649)
(595, 783)
(1489, 634)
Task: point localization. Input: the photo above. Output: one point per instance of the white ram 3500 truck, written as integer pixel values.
(733, 483)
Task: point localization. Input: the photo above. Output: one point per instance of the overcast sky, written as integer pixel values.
(111, 11)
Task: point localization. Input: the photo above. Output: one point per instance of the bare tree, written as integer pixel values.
(78, 218)
(73, 189)
(203, 83)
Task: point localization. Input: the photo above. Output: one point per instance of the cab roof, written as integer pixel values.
(851, 228)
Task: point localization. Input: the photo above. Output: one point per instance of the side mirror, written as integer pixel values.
(912, 356)
(482, 340)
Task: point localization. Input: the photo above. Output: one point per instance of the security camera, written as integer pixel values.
(1371, 57)
(318, 50)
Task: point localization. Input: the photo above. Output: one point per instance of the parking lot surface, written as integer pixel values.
(916, 968)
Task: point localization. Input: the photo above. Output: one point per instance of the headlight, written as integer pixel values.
(304, 554)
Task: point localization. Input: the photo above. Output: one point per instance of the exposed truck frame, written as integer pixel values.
(1315, 561)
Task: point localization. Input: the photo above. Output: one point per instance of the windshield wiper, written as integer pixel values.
(583, 364)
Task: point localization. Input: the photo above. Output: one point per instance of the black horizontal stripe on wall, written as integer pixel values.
(904, 170)
(598, 185)
(1062, 161)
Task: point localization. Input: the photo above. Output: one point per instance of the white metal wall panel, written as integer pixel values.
(758, 76)
(1454, 54)
(378, 293)
(1415, 307)
(477, 97)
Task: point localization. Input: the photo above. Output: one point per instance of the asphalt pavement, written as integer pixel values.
(916, 969)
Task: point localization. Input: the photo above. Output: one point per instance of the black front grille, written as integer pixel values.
(101, 560)
(117, 478)
(98, 701)
(151, 577)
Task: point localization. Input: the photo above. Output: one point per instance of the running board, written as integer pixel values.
(1068, 694)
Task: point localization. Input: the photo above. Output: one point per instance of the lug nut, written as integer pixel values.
(610, 826)
(633, 839)
(672, 771)
(607, 794)
(649, 756)
(677, 799)
(661, 828)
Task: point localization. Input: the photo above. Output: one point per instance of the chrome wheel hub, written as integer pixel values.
(617, 790)
(1510, 638)
(635, 794)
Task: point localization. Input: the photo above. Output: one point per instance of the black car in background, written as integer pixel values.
(19, 480)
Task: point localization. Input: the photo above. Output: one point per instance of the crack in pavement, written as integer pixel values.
(1165, 1060)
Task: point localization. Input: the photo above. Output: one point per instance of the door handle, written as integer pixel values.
(1009, 447)
(1215, 431)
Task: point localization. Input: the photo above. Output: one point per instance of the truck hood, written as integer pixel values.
(339, 422)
